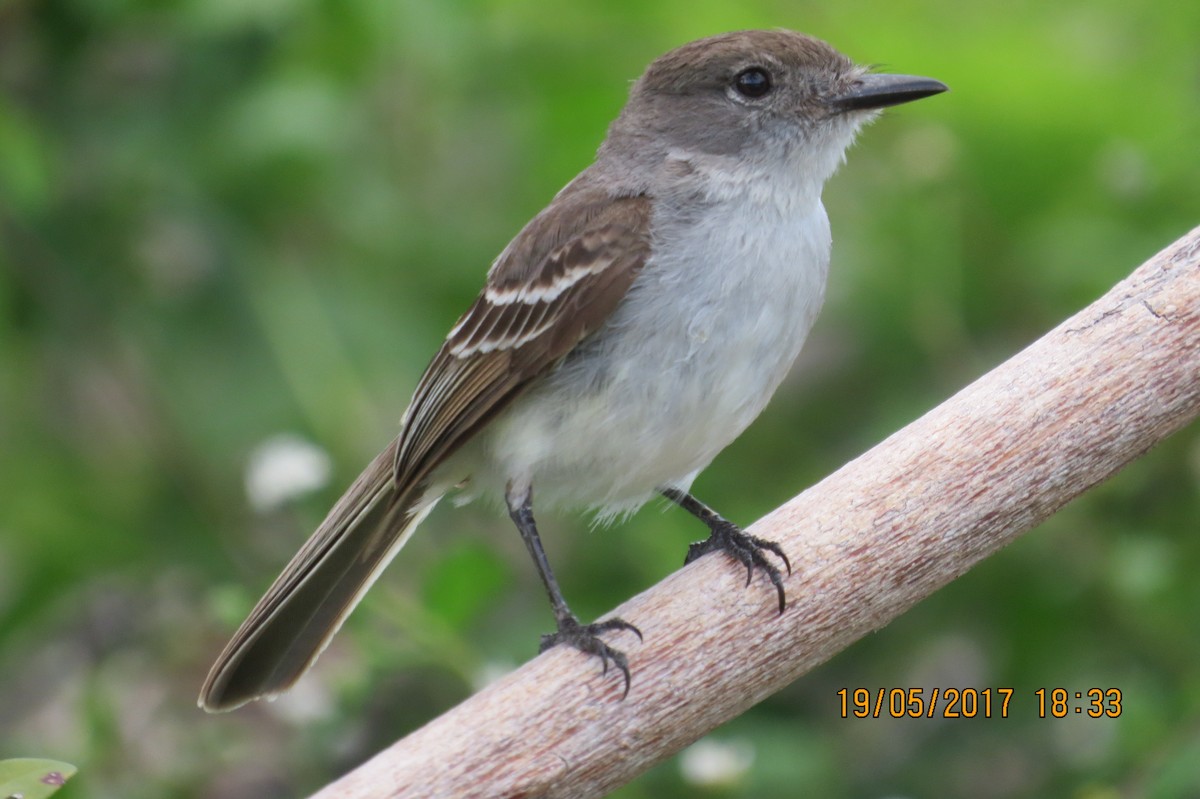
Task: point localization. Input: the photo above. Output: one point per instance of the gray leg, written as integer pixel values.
(584, 637)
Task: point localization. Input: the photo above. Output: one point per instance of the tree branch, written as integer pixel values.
(867, 543)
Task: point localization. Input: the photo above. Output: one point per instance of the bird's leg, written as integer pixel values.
(727, 537)
(584, 637)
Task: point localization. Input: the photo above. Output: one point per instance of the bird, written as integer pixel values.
(627, 334)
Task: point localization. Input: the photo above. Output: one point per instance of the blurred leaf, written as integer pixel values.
(464, 582)
(24, 161)
(31, 778)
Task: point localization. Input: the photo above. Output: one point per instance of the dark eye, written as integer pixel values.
(753, 82)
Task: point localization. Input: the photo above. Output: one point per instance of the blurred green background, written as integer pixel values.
(222, 222)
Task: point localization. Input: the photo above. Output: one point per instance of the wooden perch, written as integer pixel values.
(867, 543)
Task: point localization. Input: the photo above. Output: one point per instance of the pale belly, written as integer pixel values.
(632, 411)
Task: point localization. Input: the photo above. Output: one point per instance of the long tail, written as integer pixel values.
(294, 622)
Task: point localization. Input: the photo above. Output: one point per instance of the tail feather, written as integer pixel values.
(294, 622)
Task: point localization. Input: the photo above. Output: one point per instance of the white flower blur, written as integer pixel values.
(283, 468)
(712, 763)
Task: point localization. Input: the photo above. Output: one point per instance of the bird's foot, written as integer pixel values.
(586, 638)
(746, 549)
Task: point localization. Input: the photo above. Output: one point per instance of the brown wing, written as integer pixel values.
(558, 281)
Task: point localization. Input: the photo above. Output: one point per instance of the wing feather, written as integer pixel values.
(558, 281)
(528, 317)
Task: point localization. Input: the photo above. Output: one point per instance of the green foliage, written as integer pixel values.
(220, 221)
(29, 778)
